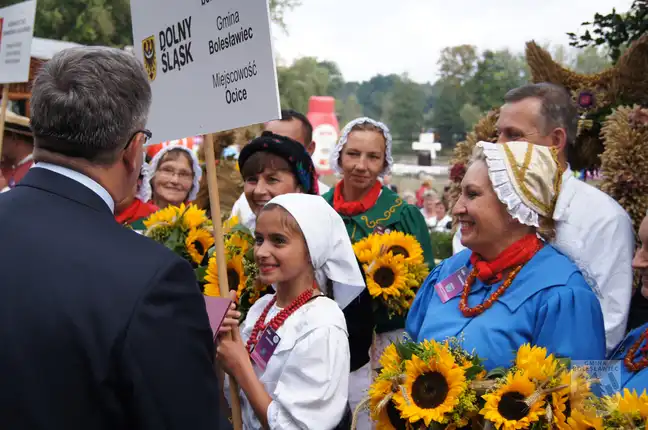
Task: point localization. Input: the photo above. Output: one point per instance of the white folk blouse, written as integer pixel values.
(308, 374)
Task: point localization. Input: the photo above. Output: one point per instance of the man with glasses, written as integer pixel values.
(17, 147)
(102, 328)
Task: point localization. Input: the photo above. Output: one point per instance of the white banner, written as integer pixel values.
(16, 34)
(210, 64)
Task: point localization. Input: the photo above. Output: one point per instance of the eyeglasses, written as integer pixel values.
(168, 173)
(147, 136)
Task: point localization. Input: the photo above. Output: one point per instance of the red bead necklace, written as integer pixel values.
(480, 308)
(279, 319)
(642, 363)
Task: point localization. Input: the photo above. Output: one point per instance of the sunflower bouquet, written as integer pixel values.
(427, 385)
(185, 230)
(242, 271)
(540, 392)
(394, 267)
(627, 411)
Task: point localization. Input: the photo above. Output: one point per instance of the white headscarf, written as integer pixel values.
(335, 155)
(145, 192)
(328, 243)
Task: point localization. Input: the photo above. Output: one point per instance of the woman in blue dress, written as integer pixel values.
(509, 287)
(633, 350)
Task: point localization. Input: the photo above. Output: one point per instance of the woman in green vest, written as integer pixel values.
(362, 155)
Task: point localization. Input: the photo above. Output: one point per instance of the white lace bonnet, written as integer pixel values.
(525, 177)
(145, 192)
(335, 155)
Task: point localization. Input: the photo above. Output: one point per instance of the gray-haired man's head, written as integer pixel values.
(542, 113)
(89, 103)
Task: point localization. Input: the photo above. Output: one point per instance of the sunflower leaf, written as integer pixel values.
(405, 349)
(565, 362)
(472, 372)
(249, 255)
(497, 372)
(243, 229)
(200, 272)
(175, 240)
(436, 426)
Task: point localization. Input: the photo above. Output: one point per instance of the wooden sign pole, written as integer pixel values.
(3, 113)
(219, 242)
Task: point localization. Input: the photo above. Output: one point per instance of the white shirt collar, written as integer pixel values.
(565, 195)
(82, 179)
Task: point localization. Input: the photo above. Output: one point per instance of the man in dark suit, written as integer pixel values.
(100, 328)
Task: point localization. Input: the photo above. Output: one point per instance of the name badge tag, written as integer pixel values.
(452, 286)
(265, 347)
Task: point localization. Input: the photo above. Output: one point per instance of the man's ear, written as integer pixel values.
(559, 139)
(133, 152)
(311, 148)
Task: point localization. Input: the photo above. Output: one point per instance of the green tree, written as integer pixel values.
(591, 60)
(336, 81)
(470, 114)
(457, 62)
(446, 119)
(496, 73)
(613, 30)
(348, 109)
(103, 22)
(306, 77)
(371, 94)
(586, 60)
(404, 109)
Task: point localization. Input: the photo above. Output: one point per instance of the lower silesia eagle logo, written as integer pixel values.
(150, 59)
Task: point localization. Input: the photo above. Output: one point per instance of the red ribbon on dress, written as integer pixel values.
(518, 254)
(343, 207)
(136, 211)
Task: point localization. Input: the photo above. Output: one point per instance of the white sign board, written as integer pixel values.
(210, 63)
(16, 33)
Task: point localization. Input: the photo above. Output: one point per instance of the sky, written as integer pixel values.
(369, 37)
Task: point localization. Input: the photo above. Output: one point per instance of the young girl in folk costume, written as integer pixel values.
(272, 165)
(362, 155)
(291, 358)
(172, 177)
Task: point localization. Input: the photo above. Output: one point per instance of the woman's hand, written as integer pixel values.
(231, 352)
(231, 318)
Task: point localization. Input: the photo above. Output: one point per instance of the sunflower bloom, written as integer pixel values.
(192, 217)
(585, 420)
(236, 244)
(211, 279)
(229, 224)
(367, 249)
(533, 360)
(198, 243)
(166, 216)
(398, 243)
(433, 388)
(236, 275)
(506, 407)
(387, 276)
(390, 361)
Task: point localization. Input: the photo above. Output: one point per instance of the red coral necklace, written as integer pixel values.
(642, 363)
(280, 318)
